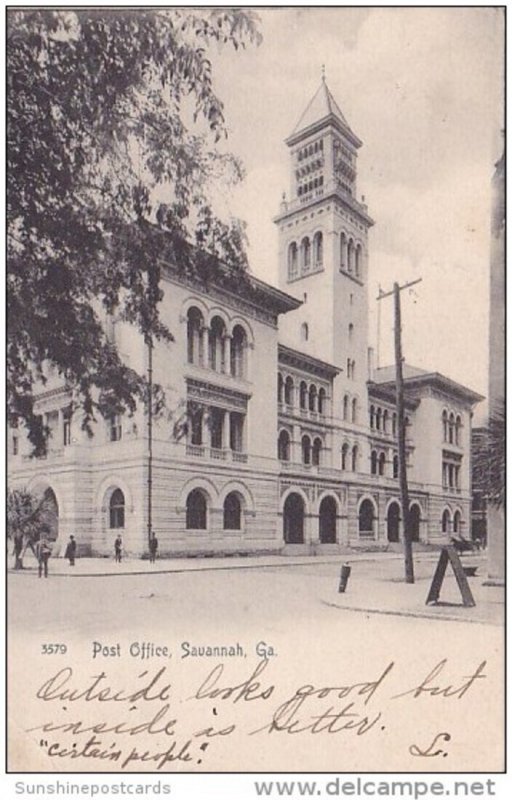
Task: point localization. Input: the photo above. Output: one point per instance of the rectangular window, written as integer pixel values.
(195, 424)
(236, 433)
(216, 425)
(66, 427)
(116, 429)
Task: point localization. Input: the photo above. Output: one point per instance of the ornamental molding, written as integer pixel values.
(222, 396)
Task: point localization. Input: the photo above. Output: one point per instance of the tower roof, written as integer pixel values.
(322, 108)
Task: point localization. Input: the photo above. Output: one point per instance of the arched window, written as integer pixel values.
(303, 393)
(350, 256)
(196, 510)
(116, 509)
(367, 519)
(322, 397)
(458, 426)
(304, 331)
(312, 397)
(378, 417)
(346, 401)
(395, 466)
(451, 429)
(280, 387)
(385, 421)
(293, 261)
(305, 248)
(195, 325)
(456, 522)
(238, 352)
(343, 251)
(306, 450)
(318, 247)
(344, 456)
(446, 521)
(374, 460)
(288, 391)
(216, 338)
(445, 426)
(283, 446)
(317, 451)
(372, 417)
(358, 260)
(355, 456)
(354, 409)
(350, 330)
(232, 512)
(382, 463)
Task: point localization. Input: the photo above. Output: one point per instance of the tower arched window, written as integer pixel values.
(382, 463)
(288, 391)
(344, 456)
(293, 261)
(395, 466)
(378, 417)
(350, 255)
(116, 509)
(318, 242)
(303, 395)
(372, 417)
(385, 421)
(304, 331)
(374, 462)
(343, 251)
(312, 397)
(355, 457)
(445, 426)
(216, 341)
(354, 409)
(195, 325)
(350, 330)
(458, 426)
(238, 352)
(358, 260)
(346, 401)
(283, 446)
(322, 400)
(317, 451)
(306, 253)
(306, 450)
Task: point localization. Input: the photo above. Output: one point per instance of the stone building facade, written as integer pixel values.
(279, 436)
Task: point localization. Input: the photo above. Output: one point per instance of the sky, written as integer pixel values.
(423, 89)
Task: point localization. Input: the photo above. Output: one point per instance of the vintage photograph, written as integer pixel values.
(255, 385)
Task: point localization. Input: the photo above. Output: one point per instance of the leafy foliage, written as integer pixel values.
(489, 459)
(105, 107)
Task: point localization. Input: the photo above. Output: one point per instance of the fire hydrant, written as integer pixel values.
(344, 576)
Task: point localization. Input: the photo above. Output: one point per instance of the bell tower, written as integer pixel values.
(323, 247)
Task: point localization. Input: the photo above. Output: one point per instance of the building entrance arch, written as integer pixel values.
(393, 522)
(293, 519)
(327, 520)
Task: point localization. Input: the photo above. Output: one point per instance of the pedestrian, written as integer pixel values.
(43, 552)
(71, 551)
(118, 548)
(18, 549)
(153, 547)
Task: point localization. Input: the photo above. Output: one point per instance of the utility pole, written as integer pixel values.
(149, 341)
(402, 466)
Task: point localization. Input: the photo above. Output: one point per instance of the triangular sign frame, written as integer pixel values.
(449, 554)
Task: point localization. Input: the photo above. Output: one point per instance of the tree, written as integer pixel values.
(104, 108)
(26, 515)
(489, 459)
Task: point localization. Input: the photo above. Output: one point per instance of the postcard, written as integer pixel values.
(255, 349)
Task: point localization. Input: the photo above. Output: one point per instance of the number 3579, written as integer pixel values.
(53, 649)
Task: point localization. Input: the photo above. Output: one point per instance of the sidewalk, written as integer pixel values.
(375, 586)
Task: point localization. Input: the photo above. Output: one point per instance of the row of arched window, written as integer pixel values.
(349, 457)
(311, 149)
(351, 255)
(310, 186)
(351, 368)
(350, 409)
(378, 463)
(302, 257)
(307, 169)
(449, 524)
(311, 449)
(197, 506)
(452, 426)
(213, 347)
(310, 397)
(382, 420)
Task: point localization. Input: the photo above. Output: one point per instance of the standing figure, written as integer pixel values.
(43, 552)
(118, 548)
(153, 548)
(71, 551)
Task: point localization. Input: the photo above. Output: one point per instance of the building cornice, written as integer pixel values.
(306, 363)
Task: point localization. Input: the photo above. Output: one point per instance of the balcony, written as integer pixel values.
(216, 453)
